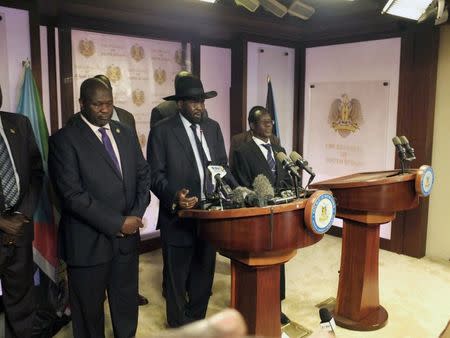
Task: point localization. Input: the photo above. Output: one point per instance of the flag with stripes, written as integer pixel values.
(45, 225)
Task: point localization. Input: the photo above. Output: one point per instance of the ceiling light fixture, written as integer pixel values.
(274, 7)
(301, 10)
(250, 5)
(210, 1)
(411, 9)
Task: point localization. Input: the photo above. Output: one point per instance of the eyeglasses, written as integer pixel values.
(267, 122)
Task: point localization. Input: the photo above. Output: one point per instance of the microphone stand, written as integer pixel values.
(295, 180)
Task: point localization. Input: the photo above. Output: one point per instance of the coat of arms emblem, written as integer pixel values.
(114, 73)
(138, 97)
(86, 47)
(137, 52)
(159, 75)
(345, 115)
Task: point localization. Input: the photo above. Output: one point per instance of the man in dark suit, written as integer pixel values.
(21, 176)
(127, 119)
(246, 136)
(257, 157)
(103, 181)
(178, 151)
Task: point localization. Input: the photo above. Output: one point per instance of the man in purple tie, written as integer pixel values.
(103, 182)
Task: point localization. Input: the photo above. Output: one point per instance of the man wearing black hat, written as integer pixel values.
(179, 150)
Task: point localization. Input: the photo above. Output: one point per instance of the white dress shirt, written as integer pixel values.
(260, 144)
(190, 133)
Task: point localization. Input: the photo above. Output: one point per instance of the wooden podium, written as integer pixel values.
(258, 241)
(364, 201)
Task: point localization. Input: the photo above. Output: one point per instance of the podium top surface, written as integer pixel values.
(367, 179)
(243, 212)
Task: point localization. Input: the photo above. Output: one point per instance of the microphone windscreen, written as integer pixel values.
(262, 187)
(295, 156)
(325, 315)
(239, 194)
(403, 140)
(282, 157)
(396, 141)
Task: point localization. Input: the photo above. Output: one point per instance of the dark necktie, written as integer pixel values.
(8, 178)
(109, 148)
(207, 183)
(270, 159)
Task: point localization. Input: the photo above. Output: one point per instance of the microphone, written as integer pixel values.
(301, 162)
(243, 197)
(400, 149)
(326, 320)
(287, 164)
(217, 173)
(409, 150)
(263, 189)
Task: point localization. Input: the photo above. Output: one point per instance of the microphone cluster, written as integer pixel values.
(404, 150)
(295, 164)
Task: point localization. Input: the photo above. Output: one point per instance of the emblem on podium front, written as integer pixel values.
(320, 211)
(424, 180)
(345, 115)
(86, 47)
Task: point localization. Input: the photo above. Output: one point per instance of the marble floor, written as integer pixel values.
(415, 292)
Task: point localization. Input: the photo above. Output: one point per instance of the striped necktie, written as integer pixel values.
(8, 179)
(270, 159)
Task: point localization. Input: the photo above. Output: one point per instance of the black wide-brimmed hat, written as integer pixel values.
(190, 87)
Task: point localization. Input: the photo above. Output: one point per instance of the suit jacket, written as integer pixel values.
(95, 197)
(28, 163)
(126, 117)
(239, 139)
(163, 110)
(173, 166)
(249, 162)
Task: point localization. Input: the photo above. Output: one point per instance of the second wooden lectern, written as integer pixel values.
(364, 201)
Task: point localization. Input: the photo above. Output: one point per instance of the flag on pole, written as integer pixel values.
(45, 234)
(270, 106)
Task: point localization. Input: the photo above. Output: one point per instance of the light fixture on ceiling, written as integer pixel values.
(274, 7)
(301, 10)
(411, 9)
(210, 1)
(250, 5)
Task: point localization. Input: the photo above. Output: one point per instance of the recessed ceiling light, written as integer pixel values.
(411, 9)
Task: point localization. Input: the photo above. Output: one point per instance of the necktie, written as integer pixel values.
(207, 183)
(270, 159)
(109, 148)
(8, 178)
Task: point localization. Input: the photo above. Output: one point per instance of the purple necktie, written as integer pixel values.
(109, 148)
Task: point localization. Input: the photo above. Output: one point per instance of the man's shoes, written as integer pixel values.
(142, 300)
(284, 319)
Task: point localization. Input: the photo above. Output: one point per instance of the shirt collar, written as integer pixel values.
(260, 142)
(93, 126)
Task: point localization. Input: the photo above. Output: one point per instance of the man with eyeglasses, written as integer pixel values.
(258, 157)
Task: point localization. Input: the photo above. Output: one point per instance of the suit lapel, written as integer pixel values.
(180, 134)
(14, 137)
(206, 128)
(260, 158)
(96, 144)
(117, 131)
